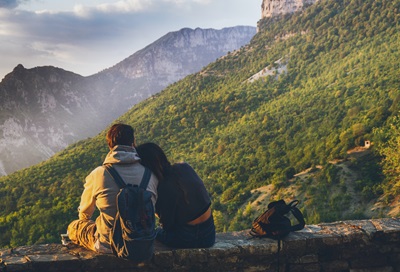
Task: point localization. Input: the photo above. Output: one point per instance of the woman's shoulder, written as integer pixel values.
(185, 171)
(182, 166)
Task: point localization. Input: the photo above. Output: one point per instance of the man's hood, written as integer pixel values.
(122, 154)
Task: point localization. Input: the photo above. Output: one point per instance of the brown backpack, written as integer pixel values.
(274, 223)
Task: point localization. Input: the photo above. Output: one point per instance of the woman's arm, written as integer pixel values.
(166, 206)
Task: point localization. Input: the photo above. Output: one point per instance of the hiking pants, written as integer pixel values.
(82, 232)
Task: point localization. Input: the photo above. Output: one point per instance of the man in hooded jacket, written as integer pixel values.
(100, 190)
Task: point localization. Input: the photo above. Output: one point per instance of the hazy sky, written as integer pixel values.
(87, 36)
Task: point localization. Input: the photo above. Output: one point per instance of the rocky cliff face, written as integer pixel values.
(170, 58)
(271, 8)
(44, 109)
(39, 115)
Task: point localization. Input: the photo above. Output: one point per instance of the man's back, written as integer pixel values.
(101, 190)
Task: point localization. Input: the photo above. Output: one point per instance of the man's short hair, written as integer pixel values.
(120, 134)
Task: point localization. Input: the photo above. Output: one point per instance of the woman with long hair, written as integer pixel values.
(183, 204)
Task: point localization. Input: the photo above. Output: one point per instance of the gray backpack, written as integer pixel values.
(133, 233)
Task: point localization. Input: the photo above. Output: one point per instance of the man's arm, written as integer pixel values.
(88, 200)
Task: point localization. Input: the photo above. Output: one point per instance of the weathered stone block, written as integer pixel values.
(14, 264)
(267, 247)
(259, 268)
(164, 259)
(295, 244)
(369, 261)
(308, 259)
(335, 266)
(303, 268)
(223, 249)
(380, 269)
(190, 256)
(330, 254)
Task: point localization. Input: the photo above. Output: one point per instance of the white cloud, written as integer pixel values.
(61, 52)
(126, 6)
(82, 11)
(180, 2)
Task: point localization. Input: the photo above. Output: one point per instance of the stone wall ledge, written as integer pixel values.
(354, 246)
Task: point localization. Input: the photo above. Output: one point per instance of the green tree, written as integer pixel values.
(391, 157)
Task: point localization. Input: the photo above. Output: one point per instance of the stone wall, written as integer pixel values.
(354, 246)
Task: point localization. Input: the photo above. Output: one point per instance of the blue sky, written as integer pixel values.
(88, 36)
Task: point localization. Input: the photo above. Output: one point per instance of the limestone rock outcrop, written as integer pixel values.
(272, 8)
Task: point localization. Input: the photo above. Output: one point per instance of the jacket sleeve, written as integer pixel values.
(88, 199)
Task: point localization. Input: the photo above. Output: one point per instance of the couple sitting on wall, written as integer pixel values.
(181, 201)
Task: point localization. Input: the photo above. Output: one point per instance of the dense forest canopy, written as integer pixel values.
(329, 81)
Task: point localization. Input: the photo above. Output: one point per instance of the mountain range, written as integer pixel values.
(286, 117)
(45, 109)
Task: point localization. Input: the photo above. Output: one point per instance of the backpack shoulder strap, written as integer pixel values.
(298, 215)
(114, 174)
(145, 179)
(121, 183)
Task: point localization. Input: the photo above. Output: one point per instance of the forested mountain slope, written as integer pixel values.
(306, 90)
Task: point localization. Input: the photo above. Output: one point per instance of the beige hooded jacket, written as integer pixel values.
(101, 191)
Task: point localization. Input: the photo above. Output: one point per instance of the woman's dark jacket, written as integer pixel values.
(182, 196)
